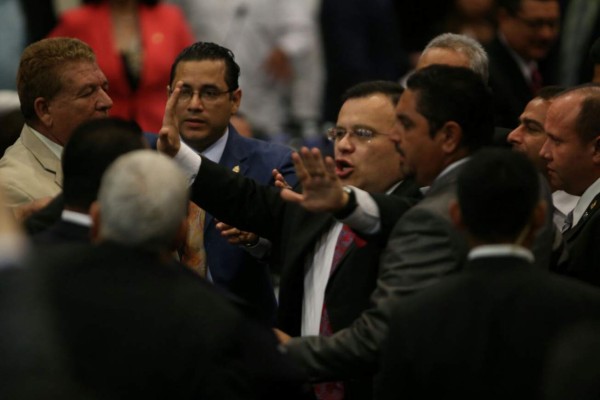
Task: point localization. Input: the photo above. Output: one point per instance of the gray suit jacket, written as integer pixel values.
(423, 247)
(29, 170)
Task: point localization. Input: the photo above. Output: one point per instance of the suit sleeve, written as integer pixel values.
(238, 201)
(423, 247)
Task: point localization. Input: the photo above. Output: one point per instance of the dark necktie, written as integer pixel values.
(333, 390)
(568, 224)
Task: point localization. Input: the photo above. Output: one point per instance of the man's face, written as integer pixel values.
(532, 31)
(202, 120)
(569, 160)
(529, 137)
(437, 55)
(369, 164)
(423, 154)
(82, 97)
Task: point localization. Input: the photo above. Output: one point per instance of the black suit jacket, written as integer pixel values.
(294, 233)
(484, 333)
(511, 91)
(139, 326)
(63, 232)
(583, 246)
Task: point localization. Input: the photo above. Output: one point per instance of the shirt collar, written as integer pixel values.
(76, 218)
(501, 250)
(450, 167)
(215, 151)
(585, 200)
(55, 148)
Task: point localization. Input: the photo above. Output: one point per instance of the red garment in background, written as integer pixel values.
(164, 33)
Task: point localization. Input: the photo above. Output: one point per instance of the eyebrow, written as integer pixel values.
(532, 121)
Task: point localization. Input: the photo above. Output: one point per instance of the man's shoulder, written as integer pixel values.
(261, 147)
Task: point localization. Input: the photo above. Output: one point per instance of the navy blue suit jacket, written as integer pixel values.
(231, 267)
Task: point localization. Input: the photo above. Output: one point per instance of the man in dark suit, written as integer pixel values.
(138, 325)
(527, 31)
(486, 332)
(93, 146)
(572, 153)
(210, 95)
(303, 242)
(435, 136)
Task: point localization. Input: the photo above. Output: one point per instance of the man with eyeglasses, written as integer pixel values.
(207, 98)
(324, 287)
(519, 63)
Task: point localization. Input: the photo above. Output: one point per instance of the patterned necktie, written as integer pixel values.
(333, 390)
(193, 255)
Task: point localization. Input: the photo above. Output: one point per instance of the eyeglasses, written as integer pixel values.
(538, 24)
(206, 94)
(362, 134)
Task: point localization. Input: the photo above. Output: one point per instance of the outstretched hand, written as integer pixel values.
(321, 188)
(168, 136)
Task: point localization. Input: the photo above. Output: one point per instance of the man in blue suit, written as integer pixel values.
(209, 97)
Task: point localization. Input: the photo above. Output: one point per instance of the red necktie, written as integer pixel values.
(333, 390)
(536, 80)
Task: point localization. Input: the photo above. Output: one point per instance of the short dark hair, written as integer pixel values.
(445, 93)
(92, 148)
(146, 2)
(497, 191)
(393, 90)
(549, 92)
(200, 51)
(595, 52)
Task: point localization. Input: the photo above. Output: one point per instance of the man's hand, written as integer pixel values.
(236, 236)
(280, 181)
(282, 336)
(321, 188)
(168, 136)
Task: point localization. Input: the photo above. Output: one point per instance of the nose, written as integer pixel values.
(104, 102)
(545, 152)
(548, 32)
(345, 144)
(395, 134)
(515, 136)
(195, 103)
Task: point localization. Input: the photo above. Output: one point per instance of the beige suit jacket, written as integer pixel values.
(29, 170)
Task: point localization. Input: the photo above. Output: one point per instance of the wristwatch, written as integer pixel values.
(350, 206)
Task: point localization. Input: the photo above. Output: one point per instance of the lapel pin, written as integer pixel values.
(236, 169)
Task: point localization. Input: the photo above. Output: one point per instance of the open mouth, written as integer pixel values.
(343, 168)
(194, 123)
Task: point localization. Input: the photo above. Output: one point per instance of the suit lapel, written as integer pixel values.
(234, 158)
(572, 233)
(42, 154)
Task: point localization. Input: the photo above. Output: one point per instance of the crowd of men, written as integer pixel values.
(423, 259)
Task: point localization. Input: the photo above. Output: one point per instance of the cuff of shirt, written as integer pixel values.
(365, 218)
(189, 161)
